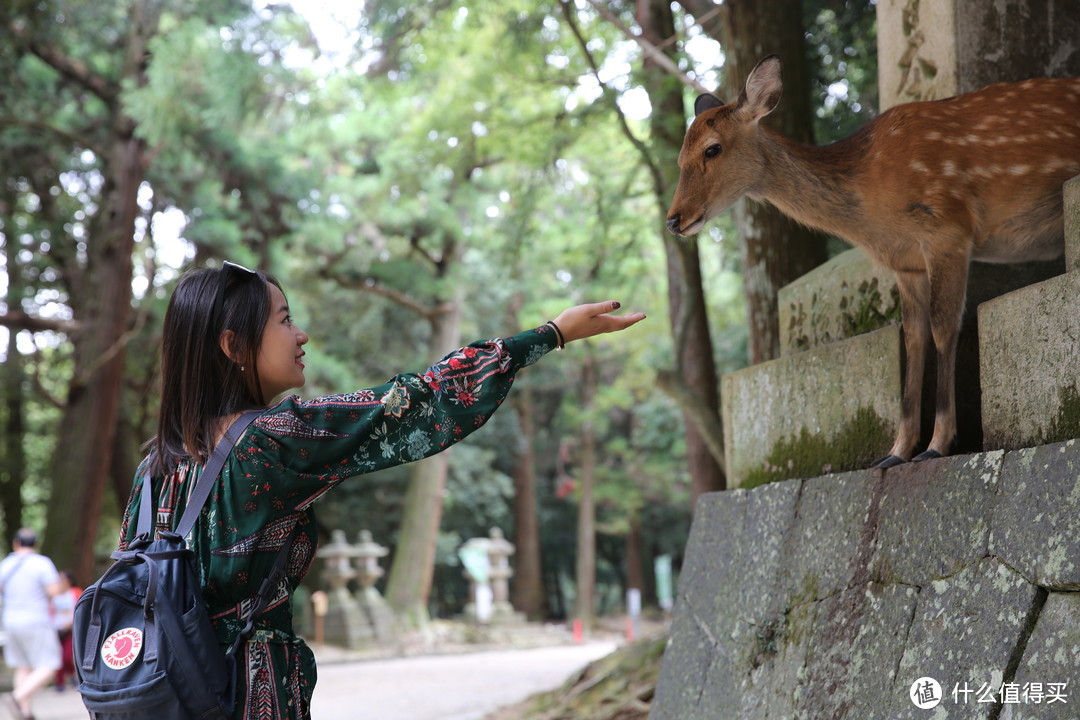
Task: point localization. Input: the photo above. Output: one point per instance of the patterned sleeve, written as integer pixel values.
(313, 445)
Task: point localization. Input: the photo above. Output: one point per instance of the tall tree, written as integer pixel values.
(86, 108)
(99, 282)
(585, 572)
(409, 585)
(695, 380)
(528, 593)
(775, 250)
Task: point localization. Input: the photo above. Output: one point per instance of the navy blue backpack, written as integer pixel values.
(144, 645)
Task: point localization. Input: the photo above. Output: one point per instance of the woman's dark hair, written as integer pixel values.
(200, 384)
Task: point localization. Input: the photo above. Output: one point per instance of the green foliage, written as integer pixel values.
(842, 44)
(459, 152)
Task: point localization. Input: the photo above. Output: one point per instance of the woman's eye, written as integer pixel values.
(712, 151)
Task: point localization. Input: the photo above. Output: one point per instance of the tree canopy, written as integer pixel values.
(423, 175)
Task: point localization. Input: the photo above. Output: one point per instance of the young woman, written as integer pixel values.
(230, 345)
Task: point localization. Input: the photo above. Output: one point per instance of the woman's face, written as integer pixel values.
(279, 357)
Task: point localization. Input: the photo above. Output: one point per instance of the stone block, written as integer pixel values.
(944, 508)
(782, 651)
(825, 410)
(1029, 342)
(725, 599)
(964, 634)
(851, 675)
(847, 296)
(1034, 524)
(1071, 193)
(1051, 657)
(831, 537)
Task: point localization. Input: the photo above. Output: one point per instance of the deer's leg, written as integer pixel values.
(915, 311)
(948, 289)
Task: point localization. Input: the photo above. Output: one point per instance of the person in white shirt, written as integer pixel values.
(28, 581)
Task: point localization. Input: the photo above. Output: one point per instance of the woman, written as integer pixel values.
(229, 345)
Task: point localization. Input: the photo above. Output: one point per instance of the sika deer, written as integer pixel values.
(924, 189)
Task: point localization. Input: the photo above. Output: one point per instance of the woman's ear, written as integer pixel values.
(226, 342)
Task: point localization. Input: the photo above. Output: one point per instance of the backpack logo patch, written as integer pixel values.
(122, 648)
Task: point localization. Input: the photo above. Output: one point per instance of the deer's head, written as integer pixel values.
(720, 160)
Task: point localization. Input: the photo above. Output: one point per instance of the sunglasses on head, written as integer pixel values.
(219, 295)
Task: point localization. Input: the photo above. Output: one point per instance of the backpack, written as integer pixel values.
(144, 645)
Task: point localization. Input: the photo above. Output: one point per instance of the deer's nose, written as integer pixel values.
(673, 224)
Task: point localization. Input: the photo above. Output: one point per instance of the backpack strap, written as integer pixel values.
(195, 504)
(269, 585)
(203, 487)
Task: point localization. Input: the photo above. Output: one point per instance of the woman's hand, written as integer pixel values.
(584, 321)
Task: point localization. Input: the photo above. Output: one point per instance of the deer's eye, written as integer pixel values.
(712, 151)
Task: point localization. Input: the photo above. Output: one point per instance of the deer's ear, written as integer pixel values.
(763, 88)
(706, 102)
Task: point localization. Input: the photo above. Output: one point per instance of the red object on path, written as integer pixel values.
(579, 632)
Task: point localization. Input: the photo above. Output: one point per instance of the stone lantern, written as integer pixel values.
(499, 550)
(376, 612)
(344, 622)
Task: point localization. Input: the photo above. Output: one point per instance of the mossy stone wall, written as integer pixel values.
(830, 597)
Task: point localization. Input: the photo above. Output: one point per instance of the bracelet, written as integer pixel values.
(558, 335)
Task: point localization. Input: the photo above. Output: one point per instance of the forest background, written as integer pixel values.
(418, 175)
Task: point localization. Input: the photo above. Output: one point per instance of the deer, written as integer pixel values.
(923, 189)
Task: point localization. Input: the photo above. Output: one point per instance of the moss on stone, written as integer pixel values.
(1066, 426)
(854, 446)
(859, 310)
(864, 311)
(769, 637)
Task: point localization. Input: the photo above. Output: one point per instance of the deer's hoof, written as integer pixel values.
(928, 455)
(887, 462)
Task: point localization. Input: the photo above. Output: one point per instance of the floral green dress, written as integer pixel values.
(286, 459)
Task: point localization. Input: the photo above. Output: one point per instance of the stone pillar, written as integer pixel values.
(379, 617)
(344, 622)
(933, 49)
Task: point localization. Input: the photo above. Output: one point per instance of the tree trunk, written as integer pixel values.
(83, 459)
(687, 310)
(101, 300)
(585, 605)
(13, 463)
(528, 573)
(775, 250)
(408, 586)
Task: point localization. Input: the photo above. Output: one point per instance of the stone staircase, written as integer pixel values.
(831, 402)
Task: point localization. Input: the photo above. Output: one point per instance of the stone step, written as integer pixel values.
(851, 294)
(847, 296)
(1029, 364)
(823, 410)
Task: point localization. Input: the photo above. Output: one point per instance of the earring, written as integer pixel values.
(241, 368)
